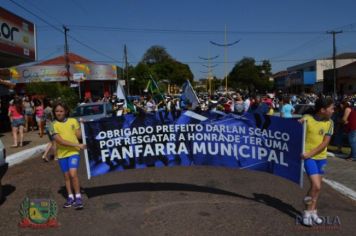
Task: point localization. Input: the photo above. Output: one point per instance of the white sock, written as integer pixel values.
(315, 217)
(71, 196)
(77, 195)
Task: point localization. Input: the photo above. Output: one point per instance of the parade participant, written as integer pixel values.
(239, 105)
(349, 119)
(150, 105)
(178, 107)
(338, 128)
(161, 108)
(228, 104)
(120, 110)
(319, 129)
(39, 116)
(28, 107)
(247, 103)
(66, 132)
(17, 121)
(48, 117)
(287, 108)
(258, 106)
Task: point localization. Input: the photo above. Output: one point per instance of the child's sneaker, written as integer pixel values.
(69, 203)
(307, 218)
(316, 218)
(78, 204)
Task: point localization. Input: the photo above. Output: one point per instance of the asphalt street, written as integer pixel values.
(174, 201)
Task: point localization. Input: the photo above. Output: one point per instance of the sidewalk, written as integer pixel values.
(33, 146)
(31, 140)
(339, 173)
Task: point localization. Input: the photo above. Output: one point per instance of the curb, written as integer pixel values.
(24, 155)
(341, 188)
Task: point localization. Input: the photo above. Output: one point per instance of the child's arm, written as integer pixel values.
(318, 149)
(63, 142)
(78, 133)
(346, 115)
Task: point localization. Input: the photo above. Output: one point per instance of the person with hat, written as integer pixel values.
(120, 111)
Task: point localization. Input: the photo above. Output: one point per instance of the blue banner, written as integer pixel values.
(255, 142)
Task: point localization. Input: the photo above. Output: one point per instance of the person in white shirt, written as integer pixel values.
(247, 103)
(150, 105)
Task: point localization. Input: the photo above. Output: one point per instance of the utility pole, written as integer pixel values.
(334, 59)
(225, 60)
(225, 45)
(127, 71)
(66, 53)
(209, 72)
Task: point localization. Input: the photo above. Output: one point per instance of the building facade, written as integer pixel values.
(309, 76)
(345, 80)
(92, 80)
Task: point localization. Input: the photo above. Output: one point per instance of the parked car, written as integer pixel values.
(3, 166)
(93, 111)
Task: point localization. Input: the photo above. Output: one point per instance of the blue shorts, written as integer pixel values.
(18, 122)
(71, 162)
(314, 167)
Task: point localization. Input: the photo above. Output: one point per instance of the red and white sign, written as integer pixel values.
(17, 36)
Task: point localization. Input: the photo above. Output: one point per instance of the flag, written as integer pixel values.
(120, 93)
(152, 88)
(189, 95)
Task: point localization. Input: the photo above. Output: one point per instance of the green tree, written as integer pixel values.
(156, 54)
(164, 69)
(141, 74)
(247, 75)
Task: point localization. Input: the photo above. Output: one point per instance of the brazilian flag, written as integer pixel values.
(153, 89)
(129, 105)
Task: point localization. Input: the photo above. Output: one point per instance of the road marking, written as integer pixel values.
(341, 188)
(19, 157)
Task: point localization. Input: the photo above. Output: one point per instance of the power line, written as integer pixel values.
(39, 17)
(44, 12)
(304, 45)
(158, 30)
(61, 31)
(219, 62)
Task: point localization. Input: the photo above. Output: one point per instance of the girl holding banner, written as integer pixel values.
(66, 132)
(319, 129)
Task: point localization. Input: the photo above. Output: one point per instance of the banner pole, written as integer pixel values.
(85, 150)
(303, 150)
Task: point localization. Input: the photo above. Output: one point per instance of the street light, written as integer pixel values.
(132, 79)
(209, 66)
(225, 45)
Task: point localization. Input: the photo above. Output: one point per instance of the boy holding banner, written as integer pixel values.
(66, 132)
(319, 129)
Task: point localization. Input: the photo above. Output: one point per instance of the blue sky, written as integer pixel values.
(286, 32)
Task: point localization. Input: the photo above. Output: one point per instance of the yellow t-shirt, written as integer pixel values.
(66, 130)
(315, 132)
